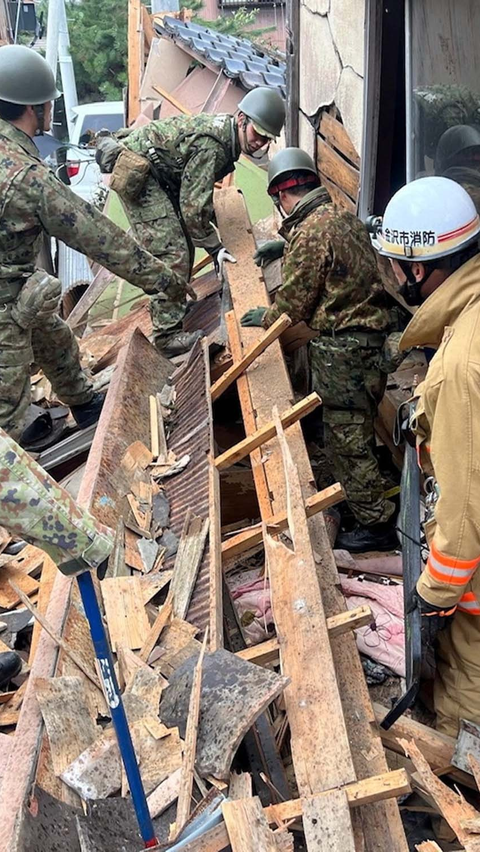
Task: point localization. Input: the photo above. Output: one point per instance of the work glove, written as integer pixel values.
(220, 255)
(38, 299)
(434, 619)
(270, 250)
(253, 317)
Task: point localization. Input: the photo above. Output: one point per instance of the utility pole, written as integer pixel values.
(67, 70)
(53, 20)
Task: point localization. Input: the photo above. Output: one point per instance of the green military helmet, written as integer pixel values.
(266, 110)
(25, 77)
(455, 141)
(289, 160)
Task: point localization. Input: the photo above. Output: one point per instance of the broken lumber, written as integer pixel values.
(267, 432)
(269, 652)
(190, 748)
(381, 823)
(68, 718)
(187, 562)
(125, 612)
(327, 822)
(247, 828)
(246, 539)
(215, 591)
(451, 805)
(320, 748)
(155, 632)
(239, 367)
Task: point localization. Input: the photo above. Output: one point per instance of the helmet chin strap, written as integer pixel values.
(264, 150)
(39, 110)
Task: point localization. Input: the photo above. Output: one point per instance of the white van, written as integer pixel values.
(82, 169)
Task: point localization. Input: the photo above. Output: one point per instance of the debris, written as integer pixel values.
(234, 694)
(68, 718)
(125, 611)
(148, 551)
(187, 562)
(163, 471)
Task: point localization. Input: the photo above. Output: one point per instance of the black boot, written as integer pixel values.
(89, 412)
(179, 344)
(10, 666)
(363, 539)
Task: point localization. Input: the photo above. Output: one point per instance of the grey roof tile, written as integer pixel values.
(238, 58)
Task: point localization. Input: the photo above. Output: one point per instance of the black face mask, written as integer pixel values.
(411, 289)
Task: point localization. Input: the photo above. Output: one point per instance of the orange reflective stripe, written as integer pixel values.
(448, 576)
(468, 603)
(452, 562)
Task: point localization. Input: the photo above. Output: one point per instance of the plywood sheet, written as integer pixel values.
(125, 612)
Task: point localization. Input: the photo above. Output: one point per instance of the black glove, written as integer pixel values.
(434, 619)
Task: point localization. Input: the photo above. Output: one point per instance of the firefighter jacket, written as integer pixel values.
(447, 426)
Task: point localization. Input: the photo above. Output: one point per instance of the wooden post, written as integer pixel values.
(135, 48)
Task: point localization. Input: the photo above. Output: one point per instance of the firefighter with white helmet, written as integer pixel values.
(430, 233)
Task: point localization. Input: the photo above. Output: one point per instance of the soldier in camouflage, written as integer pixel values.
(35, 203)
(36, 508)
(331, 282)
(170, 207)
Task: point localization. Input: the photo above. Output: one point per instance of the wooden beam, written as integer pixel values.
(269, 652)
(249, 418)
(248, 830)
(154, 634)
(134, 58)
(171, 99)
(267, 432)
(246, 539)
(337, 169)
(367, 792)
(381, 823)
(215, 556)
(336, 135)
(236, 370)
(327, 822)
(319, 741)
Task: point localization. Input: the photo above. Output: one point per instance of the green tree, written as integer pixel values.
(238, 24)
(98, 37)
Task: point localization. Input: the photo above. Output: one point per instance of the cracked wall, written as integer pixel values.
(332, 63)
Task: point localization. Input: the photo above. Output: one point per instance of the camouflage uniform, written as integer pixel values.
(34, 202)
(175, 212)
(331, 281)
(35, 507)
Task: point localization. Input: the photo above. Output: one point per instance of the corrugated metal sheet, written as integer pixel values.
(192, 434)
(73, 268)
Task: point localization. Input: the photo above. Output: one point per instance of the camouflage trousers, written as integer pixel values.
(36, 508)
(347, 376)
(157, 227)
(53, 347)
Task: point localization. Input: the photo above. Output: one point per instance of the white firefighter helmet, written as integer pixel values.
(428, 218)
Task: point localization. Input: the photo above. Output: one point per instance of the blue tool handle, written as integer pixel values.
(114, 698)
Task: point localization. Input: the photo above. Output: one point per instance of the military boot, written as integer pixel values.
(10, 666)
(179, 344)
(363, 539)
(89, 412)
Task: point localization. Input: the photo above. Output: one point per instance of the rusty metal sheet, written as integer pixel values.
(192, 434)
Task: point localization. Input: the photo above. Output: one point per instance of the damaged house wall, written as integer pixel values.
(331, 46)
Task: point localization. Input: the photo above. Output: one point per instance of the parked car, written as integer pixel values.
(82, 170)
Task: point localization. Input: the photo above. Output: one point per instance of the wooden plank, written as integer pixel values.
(336, 135)
(246, 539)
(249, 418)
(190, 748)
(320, 748)
(162, 440)
(187, 562)
(29, 561)
(154, 426)
(341, 199)
(125, 613)
(337, 169)
(256, 349)
(6, 744)
(451, 805)
(215, 556)
(165, 794)
(429, 846)
(382, 827)
(59, 640)
(327, 822)
(171, 99)
(47, 579)
(155, 631)
(240, 785)
(267, 432)
(102, 280)
(366, 792)
(68, 718)
(268, 652)
(13, 584)
(247, 828)
(134, 59)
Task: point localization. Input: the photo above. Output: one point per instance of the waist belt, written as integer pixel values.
(365, 338)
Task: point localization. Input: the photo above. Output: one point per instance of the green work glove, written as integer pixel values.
(269, 251)
(253, 317)
(38, 299)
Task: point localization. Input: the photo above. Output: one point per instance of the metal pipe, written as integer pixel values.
(409, 106)
(17, 21)
(67, 70)
(114, 699)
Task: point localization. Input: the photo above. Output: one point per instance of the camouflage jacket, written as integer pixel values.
(33, 201)
(330, 275)
(195, 151)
